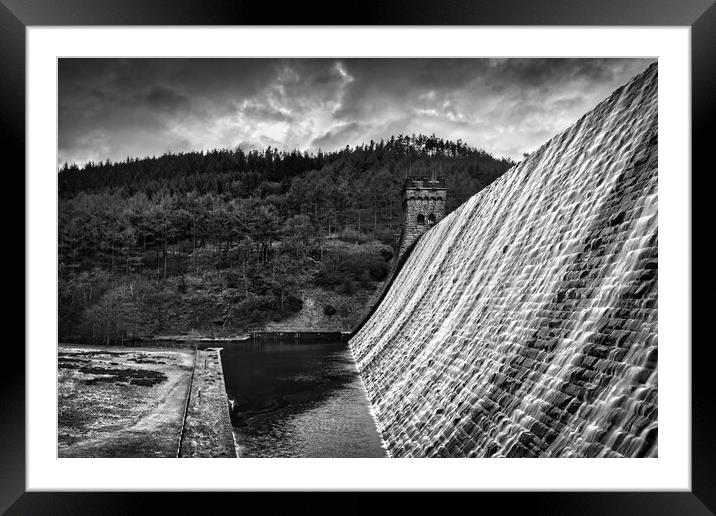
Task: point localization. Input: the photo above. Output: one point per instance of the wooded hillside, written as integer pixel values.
(215, 242)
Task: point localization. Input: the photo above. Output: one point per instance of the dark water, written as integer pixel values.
(298, 400)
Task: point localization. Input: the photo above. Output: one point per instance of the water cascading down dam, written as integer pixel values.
(524, 324)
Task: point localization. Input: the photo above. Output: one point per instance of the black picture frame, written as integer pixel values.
(700, 15)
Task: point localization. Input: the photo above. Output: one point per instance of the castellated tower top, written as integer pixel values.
(423, 206)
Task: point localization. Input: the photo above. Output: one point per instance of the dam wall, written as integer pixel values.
(524, 324)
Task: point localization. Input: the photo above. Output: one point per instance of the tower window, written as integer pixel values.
(421, 219)
(431, 219)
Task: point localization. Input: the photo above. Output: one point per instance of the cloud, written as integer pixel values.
(114, 108)
(265, 112)
(338, 136)
(166, 99)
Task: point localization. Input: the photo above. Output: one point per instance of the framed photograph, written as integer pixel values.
(283, 247)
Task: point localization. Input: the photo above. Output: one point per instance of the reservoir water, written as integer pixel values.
(291, 399)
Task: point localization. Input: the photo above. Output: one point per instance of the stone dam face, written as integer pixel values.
(525, 323)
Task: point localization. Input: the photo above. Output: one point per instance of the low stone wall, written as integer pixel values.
(299, 336)
(207, 427)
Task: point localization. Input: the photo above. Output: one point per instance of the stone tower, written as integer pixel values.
(423, 206)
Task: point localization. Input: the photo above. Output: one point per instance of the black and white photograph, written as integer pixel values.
(357, 257)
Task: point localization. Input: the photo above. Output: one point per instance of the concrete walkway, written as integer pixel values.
(207, 427)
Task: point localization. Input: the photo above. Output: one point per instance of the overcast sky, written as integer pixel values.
(115, 108)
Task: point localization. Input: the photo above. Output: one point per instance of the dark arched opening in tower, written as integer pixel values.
(421, 219)
(431, 219)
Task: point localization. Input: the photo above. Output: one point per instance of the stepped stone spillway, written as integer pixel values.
(525, 323)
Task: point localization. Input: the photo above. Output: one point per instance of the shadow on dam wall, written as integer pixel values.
(399, 264)
(525, 323)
